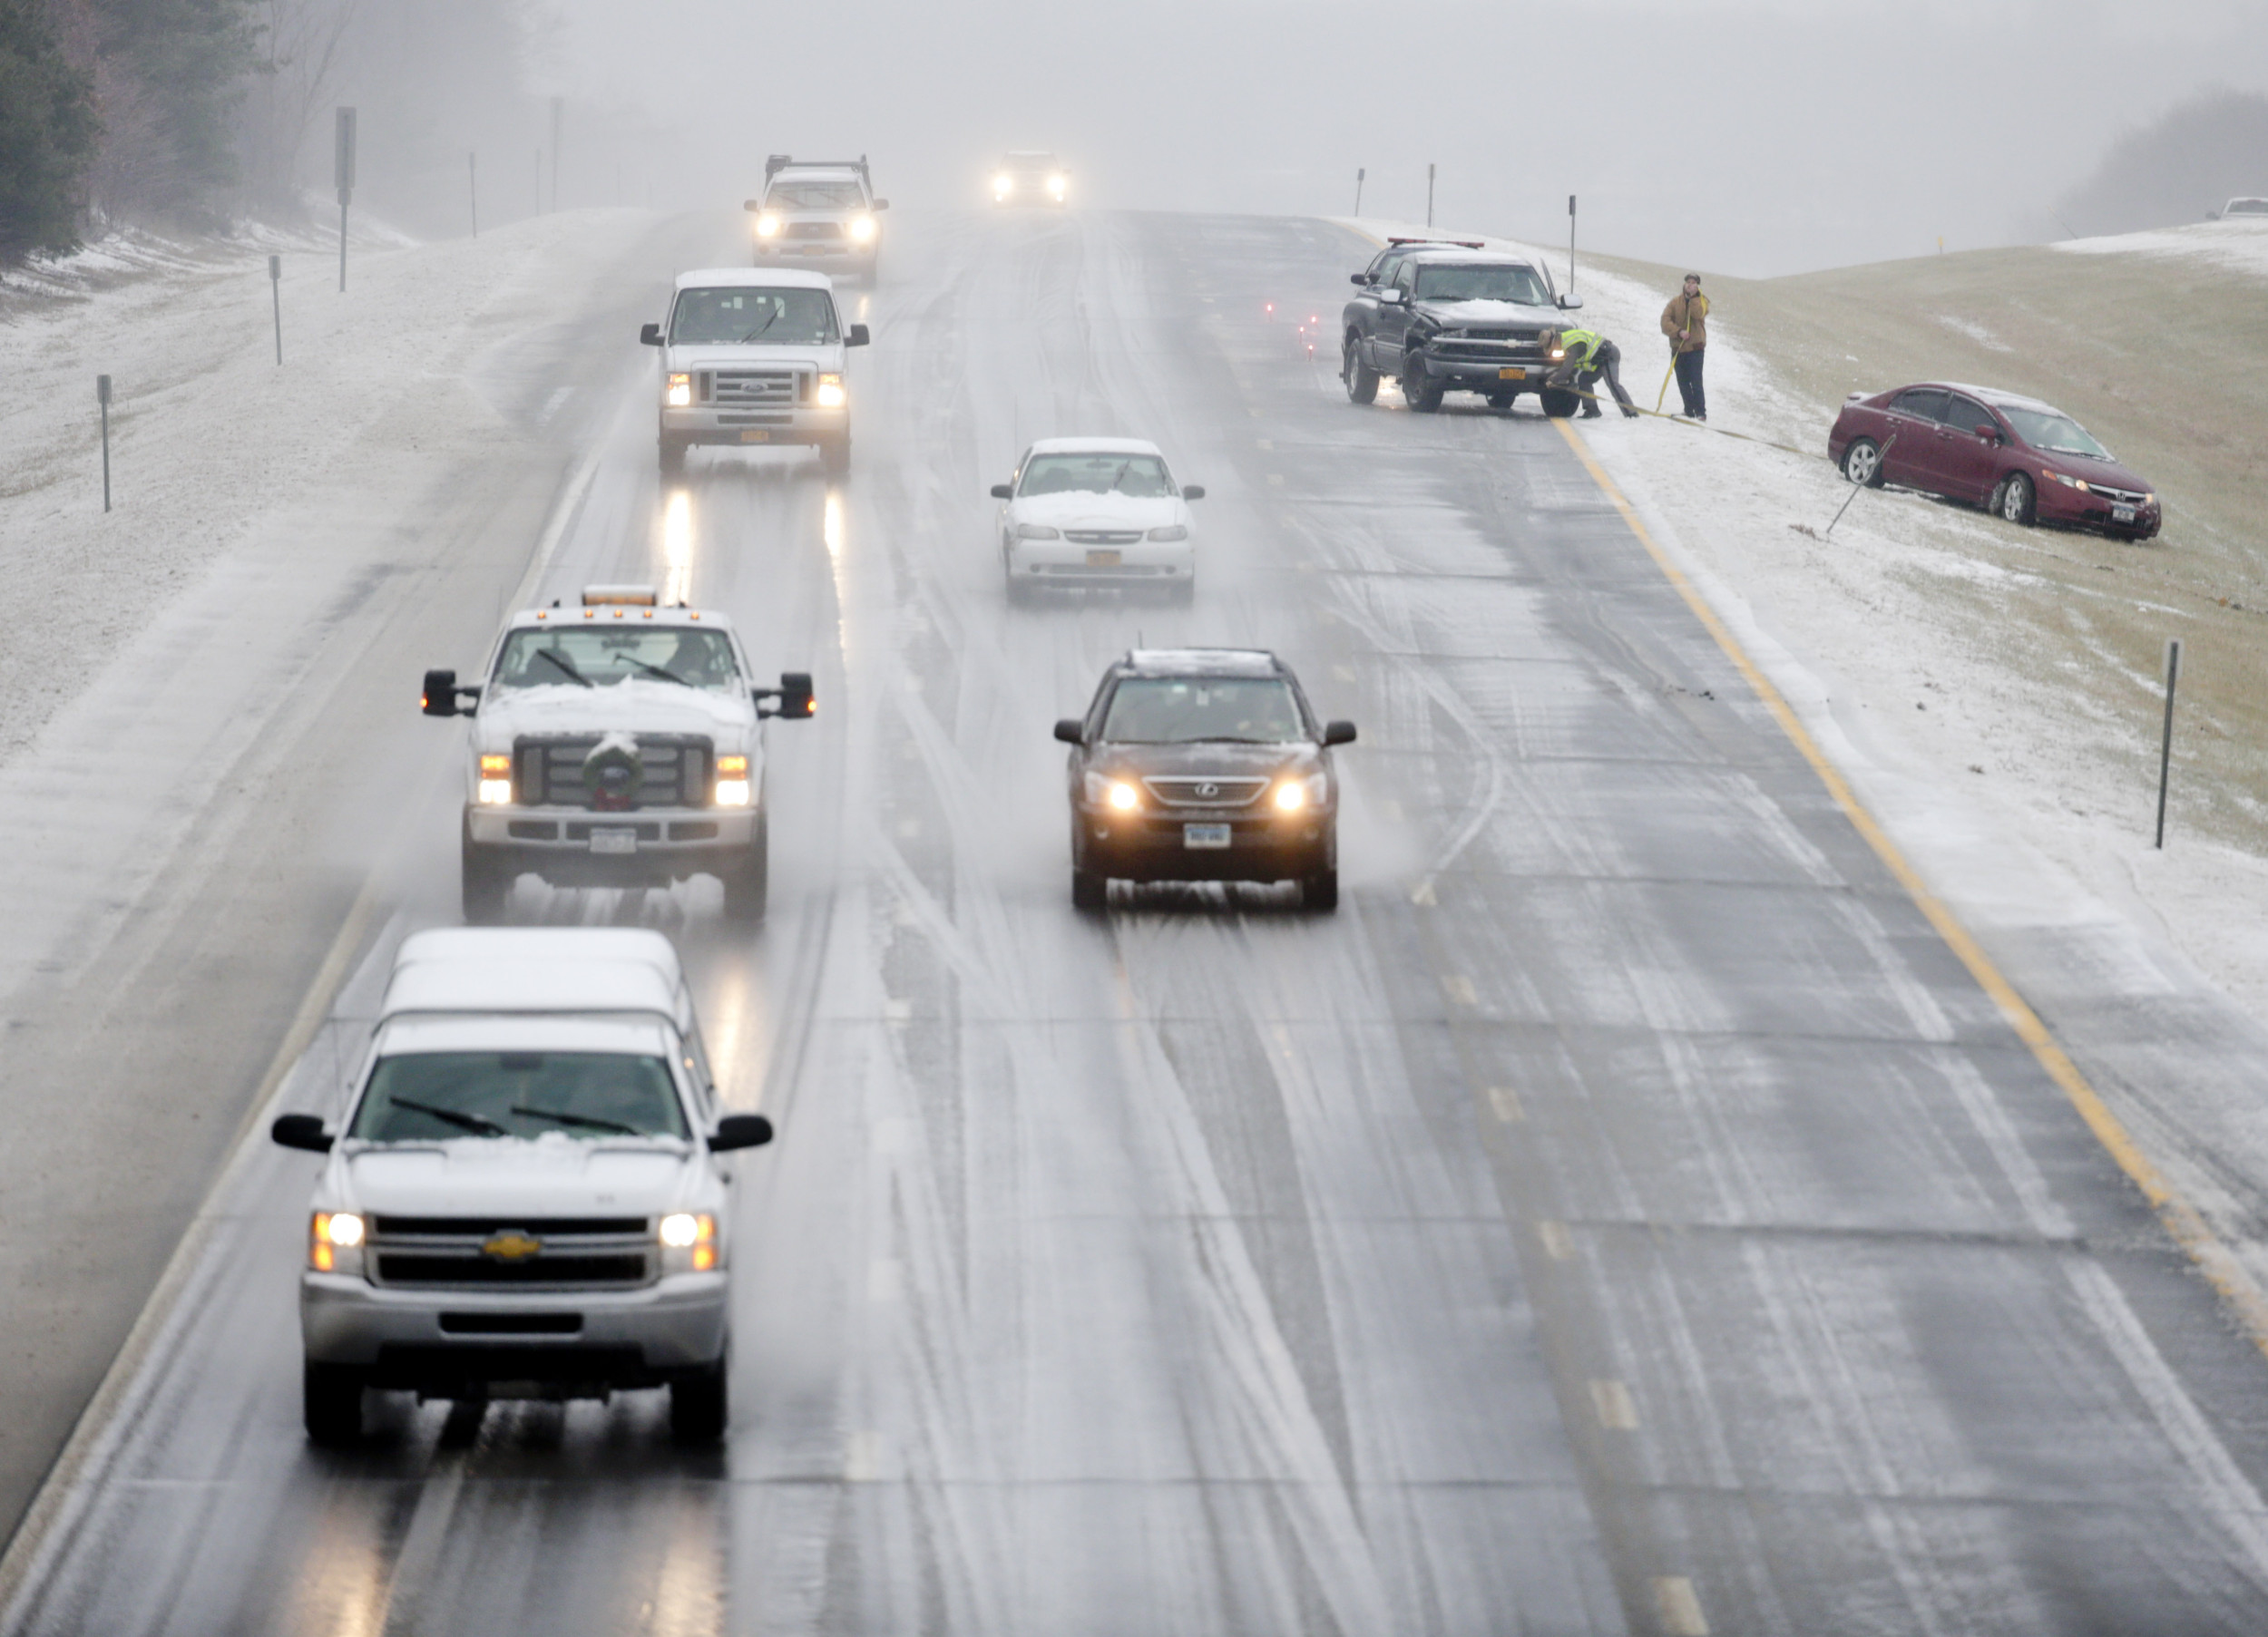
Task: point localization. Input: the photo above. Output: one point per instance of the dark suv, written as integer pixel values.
(1454, 320)
(1203, 764)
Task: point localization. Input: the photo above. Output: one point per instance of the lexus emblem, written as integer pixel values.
(1209, 790)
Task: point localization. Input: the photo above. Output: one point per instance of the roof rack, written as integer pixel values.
(775, 163)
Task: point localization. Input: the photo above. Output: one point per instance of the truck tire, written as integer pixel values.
(671, 457)
(330, 1403)
(486, 885)
(1559, 404)
(1362, 380)
(700, 1406)
(1320, 891)
(748, 881)
(834, 456)
(1090, 891)
(1418, 390)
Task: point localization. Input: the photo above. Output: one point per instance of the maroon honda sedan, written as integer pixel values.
(2016, 457)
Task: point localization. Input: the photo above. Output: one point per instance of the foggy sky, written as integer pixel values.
(1734, 135)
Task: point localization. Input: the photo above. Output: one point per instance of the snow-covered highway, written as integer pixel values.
(1626, 1214)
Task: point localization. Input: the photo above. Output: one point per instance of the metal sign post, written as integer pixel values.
(473, 188)
(556, 102)
(1570, 244)
(102, 397)
(1429, 195)
(2166, 742)
(343, 163)
(275, 286)
(1358, 189)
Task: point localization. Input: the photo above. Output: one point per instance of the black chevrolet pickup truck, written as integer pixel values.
(1452, 318)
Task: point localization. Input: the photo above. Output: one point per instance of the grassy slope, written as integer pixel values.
(2166, 361)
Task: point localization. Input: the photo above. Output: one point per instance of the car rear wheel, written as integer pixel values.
(1863, 462)
(2014, 500)
(1419, 390)
(1090, 891)
(700, 1406)
(330, 1403)
(1362, 380)
(1320, 891)
(486, 886)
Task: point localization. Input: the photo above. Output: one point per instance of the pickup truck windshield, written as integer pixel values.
(425, 1097)
(1188, 710)
(601, 656)
(814, 196)
(1482, 283)
(1140, 476)
(744, 315)
(2043, 429)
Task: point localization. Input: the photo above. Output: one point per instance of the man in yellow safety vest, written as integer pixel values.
(1590, 358)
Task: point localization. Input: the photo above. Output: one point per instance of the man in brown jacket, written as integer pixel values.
(1685, 321)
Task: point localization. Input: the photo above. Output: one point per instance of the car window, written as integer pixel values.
(1185, 710)
(1966, 414)
(1404, 276)
(2059, 434)
(814, 196)
(1923, 402)
(426, 1097)
(2247, 206)
(1482, 283)
(1142, 476)
(746, 316)
(555, 656)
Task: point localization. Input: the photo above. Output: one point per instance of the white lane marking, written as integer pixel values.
(1344, 673)
(1557, 1243)
(885, 1279)
(413, 1572)
(1610, 1402)
(1680, 1609)
(897, 1011)
(559, 394)
(862, 1462)
(1458, 989)
(1422, 894)
(1506, 1102)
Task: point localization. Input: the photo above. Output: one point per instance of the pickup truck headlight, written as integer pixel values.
(1170, 531)
(1004, 185)
(767, 225)
(688, 1243)
(831, 394)
(495, 781)
(732, 781)
(679, 395)
(1055, 186)
(334, 1242)
(863, 229)
(1037, 532)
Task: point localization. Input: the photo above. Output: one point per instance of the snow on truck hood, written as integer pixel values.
(633, 703)
(1493, 312)
(550, 1175)
(1084, 508)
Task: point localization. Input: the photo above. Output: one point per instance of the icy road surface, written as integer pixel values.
(1625, 1216)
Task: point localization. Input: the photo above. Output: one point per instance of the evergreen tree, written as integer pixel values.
(189, 59)
(47, 133)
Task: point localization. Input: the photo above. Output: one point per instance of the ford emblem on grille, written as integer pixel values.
(510, 1244)
(612, 772)
(1209, 790)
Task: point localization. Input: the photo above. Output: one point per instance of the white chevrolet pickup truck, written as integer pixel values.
(620, 744)
(753, 356)
(526, 1196)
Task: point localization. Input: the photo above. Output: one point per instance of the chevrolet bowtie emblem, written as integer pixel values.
(512, 1245)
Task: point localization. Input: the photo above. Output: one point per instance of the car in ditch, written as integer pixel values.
(819, 213)
(1440, 320)
(525, 1194)
(618, 744)
(2024, 461)
(753, 356)
(1203, 764)
(1096, 513)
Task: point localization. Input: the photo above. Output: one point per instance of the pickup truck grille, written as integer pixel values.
(674, 768)
(815, 229)
(577, 1253)
(1495, 346)
(1184, 792)
(731, 386)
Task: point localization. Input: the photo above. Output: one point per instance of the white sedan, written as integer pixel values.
(1096, 512)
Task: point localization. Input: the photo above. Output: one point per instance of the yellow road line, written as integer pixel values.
(2214, 1259)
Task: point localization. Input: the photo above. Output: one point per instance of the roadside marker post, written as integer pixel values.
(473, 188)
(1358, 189)
(1429, 195)
(103, 398)
(1570, 246)
(2166, 740)
(275, 287)
(344, 165)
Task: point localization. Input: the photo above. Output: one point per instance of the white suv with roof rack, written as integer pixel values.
(753, 356)
(524, 1198)
(819, 212)
(620, 744)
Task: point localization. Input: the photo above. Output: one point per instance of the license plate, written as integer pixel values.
(1512, 372)
(1102, 559)
(1198, 837)
(754, 434)
(2122, 514)
(613, 841)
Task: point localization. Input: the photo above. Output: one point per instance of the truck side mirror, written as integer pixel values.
(1071, 731)
(300, 1131)
(439, 698)
(752, 204)
(649, 335)
(1990, 435)
(880, 204)
(1358, 278)
(1390, 295)
(859, 336)
(1569, 302)
(1193, 491)
(1338, 733)
(794, 696)
(740, 1131)
(1001, 491)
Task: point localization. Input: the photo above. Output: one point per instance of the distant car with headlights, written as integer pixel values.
(1442, 319)
(525, 1196)
(1031, 178)
(819, 213)
(2023, 460)
(754, 358)
(618, 744)
(1203, 764)
(1095, 513)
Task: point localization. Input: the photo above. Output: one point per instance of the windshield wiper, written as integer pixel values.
(453, 1116)
(663, 671)
(565, 1118)
(1124, 467)
(760, 328)
(566, 665)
